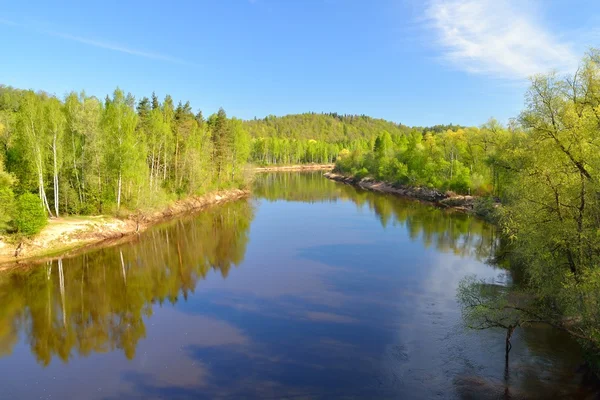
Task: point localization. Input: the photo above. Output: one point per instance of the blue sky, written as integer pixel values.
(418, 62)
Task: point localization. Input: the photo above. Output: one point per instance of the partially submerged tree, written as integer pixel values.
(485, 305)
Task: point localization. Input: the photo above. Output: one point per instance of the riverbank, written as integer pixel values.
(442, 199)
(300, 167)
(63, 235)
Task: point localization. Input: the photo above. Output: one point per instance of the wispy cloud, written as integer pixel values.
(497, 38)
(99, 43)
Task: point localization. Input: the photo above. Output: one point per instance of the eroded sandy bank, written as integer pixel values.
(64, 235)
(304, 167)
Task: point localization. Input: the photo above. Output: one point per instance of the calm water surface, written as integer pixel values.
(310, 290)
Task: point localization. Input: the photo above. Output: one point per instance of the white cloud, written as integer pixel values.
(499, 38)
(100, 44)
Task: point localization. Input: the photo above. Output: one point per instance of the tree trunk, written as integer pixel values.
(56, 196)
(508, 346)
(42, 190)
(119, 191)
(76, 171)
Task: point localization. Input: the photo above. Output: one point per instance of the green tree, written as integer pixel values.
(32, 141)
(6, 197)
(55, 125)
(30, 216)
(122, 149)
(221, 138)
(240, 148)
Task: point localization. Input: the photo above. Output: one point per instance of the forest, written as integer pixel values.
(544, 167)
(83, 156)
(312, 137)
(80, 155)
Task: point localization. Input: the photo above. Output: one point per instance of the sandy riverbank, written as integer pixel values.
(63, 235)
(303, 167)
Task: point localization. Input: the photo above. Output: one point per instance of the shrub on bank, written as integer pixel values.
(30, 215)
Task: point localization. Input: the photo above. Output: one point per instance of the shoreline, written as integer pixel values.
(457, 202)
(300, 167)
(69, 235)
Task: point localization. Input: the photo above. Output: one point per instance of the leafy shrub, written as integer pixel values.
(460, 184)
(361, 173)
(6, 198)
(30, 215)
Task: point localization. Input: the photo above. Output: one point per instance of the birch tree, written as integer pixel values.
(54, 119)
(119, 125)
(33, 140)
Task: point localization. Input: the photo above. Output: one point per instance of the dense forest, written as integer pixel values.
(81, 155)
(545, 168)
(319, 138)
(464, 160)
(312, 137)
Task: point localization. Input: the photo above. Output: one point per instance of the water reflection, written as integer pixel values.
(96, 302)
(339, 293)
(445, 230)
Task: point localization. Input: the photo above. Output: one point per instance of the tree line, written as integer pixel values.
(80, 155)
(312, 137)
(83, 155)
(545, 167)
(472, 160)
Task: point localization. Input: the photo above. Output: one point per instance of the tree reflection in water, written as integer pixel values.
(96, 302)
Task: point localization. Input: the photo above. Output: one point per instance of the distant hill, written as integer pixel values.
(331, 127)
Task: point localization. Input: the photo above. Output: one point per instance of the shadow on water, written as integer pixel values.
(340, 293)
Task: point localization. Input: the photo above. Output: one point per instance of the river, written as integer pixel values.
(311, 289)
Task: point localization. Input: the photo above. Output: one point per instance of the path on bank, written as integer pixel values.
(301, 167)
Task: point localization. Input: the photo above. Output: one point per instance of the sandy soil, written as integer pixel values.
(303, 167)
(67, 234)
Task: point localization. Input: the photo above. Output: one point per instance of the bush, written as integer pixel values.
(30, 215)
(362, 173)
(6, 199)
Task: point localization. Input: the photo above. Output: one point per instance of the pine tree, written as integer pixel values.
(155, 103)
(144, 108)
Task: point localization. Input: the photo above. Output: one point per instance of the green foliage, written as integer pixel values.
(466, 160)
(30, 215)
(314, 138)
(6, 197)
(548, 177)
(85, 156)
(486, 305)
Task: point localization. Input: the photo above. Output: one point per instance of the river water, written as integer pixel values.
(309, 290)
